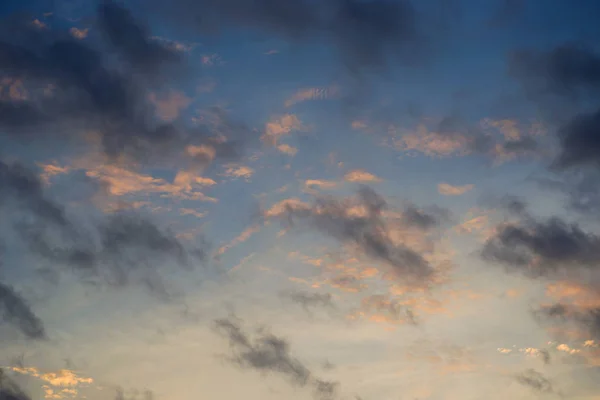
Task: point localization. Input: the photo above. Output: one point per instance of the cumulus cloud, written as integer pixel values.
(267, 353)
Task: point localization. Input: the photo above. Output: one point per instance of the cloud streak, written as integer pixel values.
(267, 353)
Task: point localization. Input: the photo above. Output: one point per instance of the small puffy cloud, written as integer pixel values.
(79, 33)
(281, 126)
(51, 170)
(287, 149)
(191, 211)
(449, 190)
(320, 183)
(238, 171)
(362, 176)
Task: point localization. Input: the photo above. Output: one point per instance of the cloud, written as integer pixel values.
(359, 221)
(267, 353)
(448, 190)
(281, 126)
(382, 308)
(362, 176)
(238, 171)
(22, 189)
(9, 390)
(63, 384)
(79, 33)
(16, 311)
(364, 34)
(86, 93)
(309, 299)
(122, 249)
(565, 82)
(534, 380)
(241, 238)
(106, 90)
(558, 251)
(541, 248)
(320, 183)
(315, 93)
(117, 249)
(287, 149)
(169, 105)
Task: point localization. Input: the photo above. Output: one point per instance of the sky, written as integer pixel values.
(299, 199)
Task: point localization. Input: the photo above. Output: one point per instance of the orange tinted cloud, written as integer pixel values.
(320, 183)
(79, 33)
(362, 176)
(432, 143)
(450, 190)
(281, 126)
(287, 149)
(121, 181)
(63, 384)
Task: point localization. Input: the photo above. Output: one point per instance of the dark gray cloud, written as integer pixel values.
(534, 380)
(555, 250)
(117, 249)
(369, 231)
(9, 390)
(365, 34)
(565, 83)
(123, 249)
(101, 84)
(267, 353)
(580, 142)
(22, 187)
(15, 311)
(541, 248)
(133, 41)
(424, 219)
(568, 70)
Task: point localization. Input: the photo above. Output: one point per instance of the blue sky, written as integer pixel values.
(299, 199)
